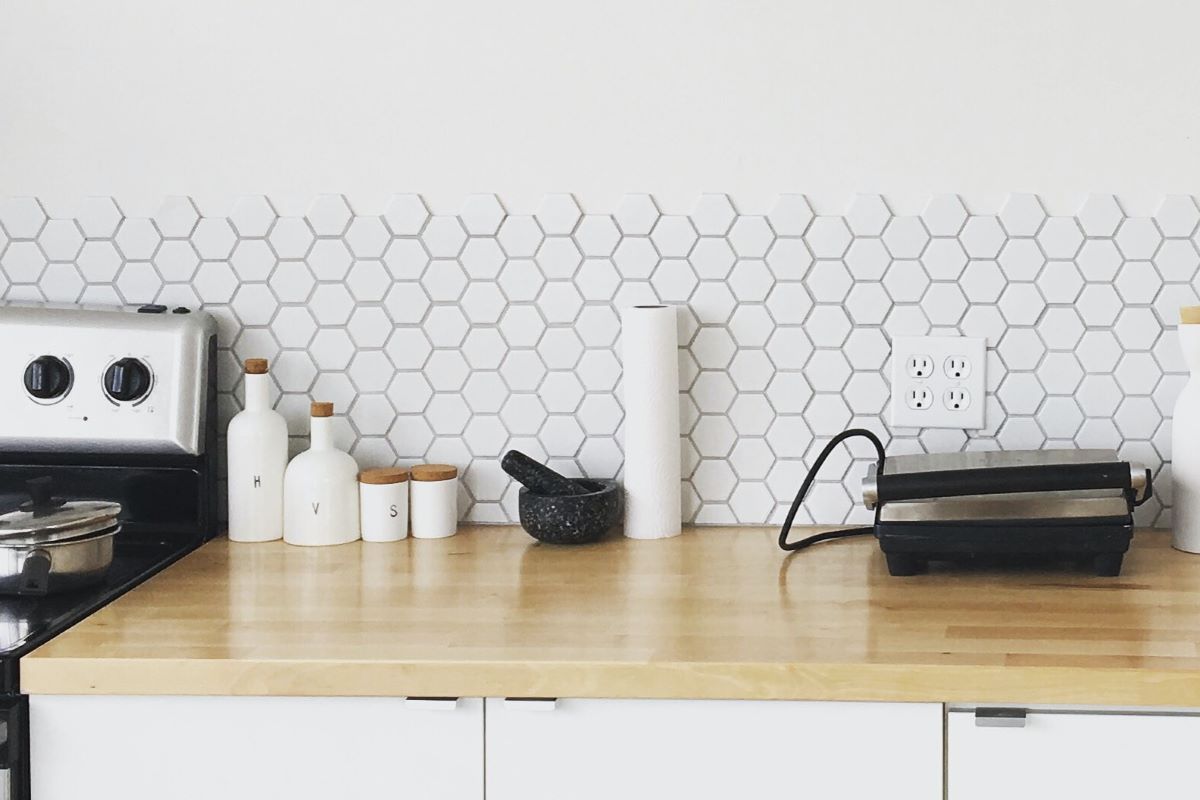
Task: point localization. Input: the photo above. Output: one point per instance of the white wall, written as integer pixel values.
(137, 98)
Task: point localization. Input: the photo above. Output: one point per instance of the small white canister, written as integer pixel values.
(434, 501)
(383, 504)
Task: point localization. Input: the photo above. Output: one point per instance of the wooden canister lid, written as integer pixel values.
(322, 409)
(1189, 315)
(256, 366)
(433, 472)
(383, 476)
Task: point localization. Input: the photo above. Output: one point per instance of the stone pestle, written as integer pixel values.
(538, 478)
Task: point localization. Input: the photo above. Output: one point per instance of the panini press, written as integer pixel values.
(1053, 504)
(1002, 507)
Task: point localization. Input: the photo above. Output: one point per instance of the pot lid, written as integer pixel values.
(60, 521)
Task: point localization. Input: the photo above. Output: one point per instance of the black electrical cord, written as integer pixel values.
(800, 544)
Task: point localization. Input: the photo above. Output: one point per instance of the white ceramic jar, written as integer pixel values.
(433, 500)
(383, 504)
(320, 489)
(1185, 441)
(256, 457)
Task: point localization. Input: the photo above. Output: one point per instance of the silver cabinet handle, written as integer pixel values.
(1000, 717)
(432, 703)
(531, 703)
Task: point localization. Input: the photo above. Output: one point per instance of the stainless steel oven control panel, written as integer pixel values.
(121, 380)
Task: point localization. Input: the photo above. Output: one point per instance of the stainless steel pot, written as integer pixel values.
(49, 545)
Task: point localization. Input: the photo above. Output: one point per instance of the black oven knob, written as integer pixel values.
(47, 377)
(126, 380)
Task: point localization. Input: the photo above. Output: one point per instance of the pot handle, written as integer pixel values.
(35, 572)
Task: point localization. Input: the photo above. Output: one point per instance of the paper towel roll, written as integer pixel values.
(650, 348)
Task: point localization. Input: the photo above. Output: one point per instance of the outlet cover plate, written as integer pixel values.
(948, 354)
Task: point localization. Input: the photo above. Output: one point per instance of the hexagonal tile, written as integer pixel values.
(906, 237)
(253, 302)
(944, 304)
(410, 436)
(447, 414)
(523, 414)
(1137, 417)
(485, 392)
(331, 304)
(483, 303)
(291, 237)
(252, 216)
(828, 326)
(21, 217)
(1022, 215)
(827, 412)
(1060, 282)
(1137, 328)
(944, 259)
(635, 258)
(1021, 393)
(482, 214)
(446, 326)
(98, 217)
(828, 237)
(1100, 215)
(560, 348)
(1060, 373)
(828, 281)
(176, 260)
(522, 326)
(597, 235)
(789, 259)
(486, 436)
(176, 218)
(1177, 216)
(559, 302)
(827, 371)
(444, 280)
(294, 327)
(521, 281)
(713, 215)
(944, 215)
(1060, 417)
(635, 293)
(137, 239)
(789, 393)
(291, 281)
(1099, 260)
(713, 392)
(294, 371)
(866, 349)
(1098, 351)
(1138, 238)
(1138, 373)
(712, 258)
(329, 215)
(368, 280)
(559, 257)
(905, 281)
(983, 237)
(751, 237)
(484, 348)
(1060, 237)
(906, 320)
(252, 260)
(713, 348)
(637, 214)
(791, 215)
(1021, 304)
(868, 215)
(443, 237)
(61, 283)
(1177, 260)
(406, 302)
(751, 414)
(985, 322)
(60, 240)
(558, 214)
(1021, 349)
(406, 214)
(867, 259)
(1138, 282)
(673, 237)
(1060, 328)
(1099, 304)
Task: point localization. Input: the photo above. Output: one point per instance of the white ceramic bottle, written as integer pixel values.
(320, 488)
(256, 455)
(1185, 440)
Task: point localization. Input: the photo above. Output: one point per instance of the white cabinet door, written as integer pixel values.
(1060, 755)
(702, 749)
(228, 748)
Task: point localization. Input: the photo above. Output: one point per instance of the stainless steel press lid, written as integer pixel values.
(41, 524)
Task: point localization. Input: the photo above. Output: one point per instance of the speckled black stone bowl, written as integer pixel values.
(571, 519)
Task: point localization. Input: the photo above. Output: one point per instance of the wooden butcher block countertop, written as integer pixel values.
(715, 613)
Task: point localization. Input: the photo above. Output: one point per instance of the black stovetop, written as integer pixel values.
(28, 622)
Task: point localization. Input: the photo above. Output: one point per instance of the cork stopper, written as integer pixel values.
(383, 476)
(1189, 315)
(322, 409)
(433, 472)
(256, 366)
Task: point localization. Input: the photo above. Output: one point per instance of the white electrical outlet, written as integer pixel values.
(938, 382)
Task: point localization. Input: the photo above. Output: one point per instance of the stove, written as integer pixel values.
(110, 404)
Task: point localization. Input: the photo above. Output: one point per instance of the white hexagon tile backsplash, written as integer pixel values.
(455, 337)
